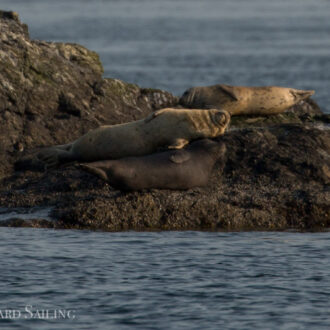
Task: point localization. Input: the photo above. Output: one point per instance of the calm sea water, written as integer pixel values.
(165, 280)
(177, 280)
(177, 44)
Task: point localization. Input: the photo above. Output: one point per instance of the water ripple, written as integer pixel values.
(186, 280)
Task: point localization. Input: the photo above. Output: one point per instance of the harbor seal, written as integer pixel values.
(171, 128)
(238, 100)
(176, 169)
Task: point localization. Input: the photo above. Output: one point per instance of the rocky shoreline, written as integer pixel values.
(275, 176)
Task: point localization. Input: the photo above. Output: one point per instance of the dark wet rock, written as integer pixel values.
(273, 179)
(276, 175)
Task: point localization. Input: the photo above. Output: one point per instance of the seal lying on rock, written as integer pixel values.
(168, 127)
(244, 100)
(175, 169)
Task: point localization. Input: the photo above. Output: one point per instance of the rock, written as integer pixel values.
(276, 175)
(273, 179)
(51, 93)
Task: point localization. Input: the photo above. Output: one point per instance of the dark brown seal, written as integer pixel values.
(176, 169)
(239, 100)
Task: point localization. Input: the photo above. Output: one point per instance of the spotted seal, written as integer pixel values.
(238, 100)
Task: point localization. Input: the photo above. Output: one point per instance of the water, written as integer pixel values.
(25, 213)
(176, 280)
(166, 280)
(177, 44)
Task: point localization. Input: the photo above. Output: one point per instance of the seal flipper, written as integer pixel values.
(229, 90)
(179, 156)
(300, 95)
(98, 171)
(178, 144)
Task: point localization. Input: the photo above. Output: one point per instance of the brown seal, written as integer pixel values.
(176, 169)
(238, 100)
(171, 128)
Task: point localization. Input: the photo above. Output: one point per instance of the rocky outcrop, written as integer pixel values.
(54, 92)
(275, 176)
(272, 179)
